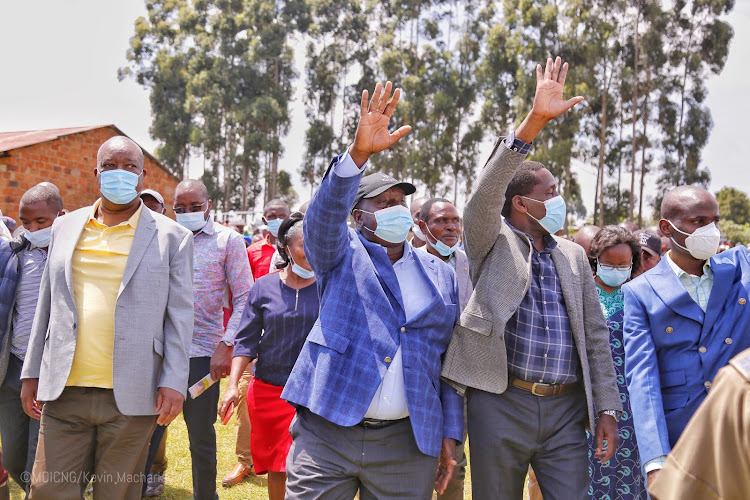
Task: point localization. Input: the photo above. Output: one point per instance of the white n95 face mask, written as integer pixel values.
(703, 243)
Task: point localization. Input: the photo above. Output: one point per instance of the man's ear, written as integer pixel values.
(422, 226)
(519, 204)
(666, 228)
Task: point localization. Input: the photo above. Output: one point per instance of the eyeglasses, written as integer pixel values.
(194, 208)
(607, 267)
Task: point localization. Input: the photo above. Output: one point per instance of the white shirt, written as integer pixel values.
(389, 401)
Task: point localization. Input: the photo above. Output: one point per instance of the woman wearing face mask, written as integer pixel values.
(281, 309)
(616, 255)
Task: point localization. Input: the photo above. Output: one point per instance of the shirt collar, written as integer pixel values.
(408, 254)
(132, 221)
(707, 271)
(207, 228)
(549, 242)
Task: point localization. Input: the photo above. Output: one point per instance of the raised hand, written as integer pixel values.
(548, 100)
(372, 134)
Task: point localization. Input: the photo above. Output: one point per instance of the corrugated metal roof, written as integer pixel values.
(15, 140)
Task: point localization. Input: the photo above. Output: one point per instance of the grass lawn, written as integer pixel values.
(179, 476)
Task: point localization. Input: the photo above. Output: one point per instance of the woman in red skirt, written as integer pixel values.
(281, 309)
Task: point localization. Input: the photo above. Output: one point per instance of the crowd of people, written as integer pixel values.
(367, 341)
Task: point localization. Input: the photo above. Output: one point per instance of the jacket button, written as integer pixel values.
(387, 359)
(403, 329)
(670, 329)
(727, 340)
(74, 325)
(707, 384)
(702, 349)
(742, 301)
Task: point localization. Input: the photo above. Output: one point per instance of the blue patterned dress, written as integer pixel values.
(620, 478)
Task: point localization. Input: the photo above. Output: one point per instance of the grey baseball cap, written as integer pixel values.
(158, 197)
(377, 183)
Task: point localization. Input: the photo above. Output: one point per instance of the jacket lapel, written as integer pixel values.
(67, 239)
(723, 276)
(384, 270)
(144, 232)
(569, 284)
(668, 287)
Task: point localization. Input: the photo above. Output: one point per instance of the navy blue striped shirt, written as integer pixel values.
(274, 326)
(538, 338)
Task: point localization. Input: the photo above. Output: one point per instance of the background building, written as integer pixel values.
(67, 158)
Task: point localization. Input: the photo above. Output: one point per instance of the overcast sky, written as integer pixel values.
(60, 62)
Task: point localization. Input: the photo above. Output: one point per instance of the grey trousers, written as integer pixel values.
(509, 431)
(331, 462)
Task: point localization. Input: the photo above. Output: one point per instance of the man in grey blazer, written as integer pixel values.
(531, 349)
(110, 352)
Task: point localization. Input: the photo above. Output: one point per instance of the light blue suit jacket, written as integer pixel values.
(362, 322)
(673, 349)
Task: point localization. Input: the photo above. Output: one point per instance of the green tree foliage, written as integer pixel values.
(734, 205)
(220, 73)
(736, 233)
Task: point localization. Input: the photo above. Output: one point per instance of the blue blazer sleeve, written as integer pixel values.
(325, 229)
(642, 376)
(453, 403)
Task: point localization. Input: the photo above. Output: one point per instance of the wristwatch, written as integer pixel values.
(228, 343)
(612, 413)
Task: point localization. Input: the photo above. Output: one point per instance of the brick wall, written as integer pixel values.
(69, 162)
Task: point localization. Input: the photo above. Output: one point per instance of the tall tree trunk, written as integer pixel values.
(602, 147)
(633, 145)
(644, 144)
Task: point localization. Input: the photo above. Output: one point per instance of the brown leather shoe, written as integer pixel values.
(237, 475)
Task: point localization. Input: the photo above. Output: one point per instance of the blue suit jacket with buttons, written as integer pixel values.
(362, 322)
(673, 349)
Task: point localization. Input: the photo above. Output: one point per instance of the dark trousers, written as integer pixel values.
(83, 437)
(18, 432)
(331, 462)
(509, 431)
(200, 416)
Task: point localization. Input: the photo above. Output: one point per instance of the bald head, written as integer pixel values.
(686, 201)
(192, 185)
(416, 206)
(585, 236)
(120, 145)
(629, 225)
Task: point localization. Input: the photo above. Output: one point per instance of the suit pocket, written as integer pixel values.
(674, 401)
(476, 323)
(159, 347)
(329, 339)
(672, 379)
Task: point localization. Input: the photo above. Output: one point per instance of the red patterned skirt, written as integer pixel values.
(270, 418)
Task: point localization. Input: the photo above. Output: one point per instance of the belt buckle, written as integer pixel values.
(534, 386)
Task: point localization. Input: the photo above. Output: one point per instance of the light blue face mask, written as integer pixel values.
(394, 223)
(193, 221)
(300, 271)
(556, 211)
(441, 247)
(39, 238)
(273, 226)
(118, 186)
(613, 276)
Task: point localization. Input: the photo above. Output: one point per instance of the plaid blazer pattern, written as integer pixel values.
(362, 322)
(500, 268)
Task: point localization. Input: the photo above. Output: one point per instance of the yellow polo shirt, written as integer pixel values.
(98, 266)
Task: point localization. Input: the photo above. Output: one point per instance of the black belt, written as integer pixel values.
(374, 423)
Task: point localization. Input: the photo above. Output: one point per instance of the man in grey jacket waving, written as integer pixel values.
(531, 348)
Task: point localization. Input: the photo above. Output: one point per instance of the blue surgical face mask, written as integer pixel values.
(418, 234)
(554, 219)
(300, 271)
(193, 221)
(441, 247)
(613, 276)
(273, 226)
(394, 223)
(39, 238)
(118, 186)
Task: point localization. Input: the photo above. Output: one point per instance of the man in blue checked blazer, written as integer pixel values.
(372, 412)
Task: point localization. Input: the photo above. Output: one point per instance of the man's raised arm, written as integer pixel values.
(326, 232)
(482, 217)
